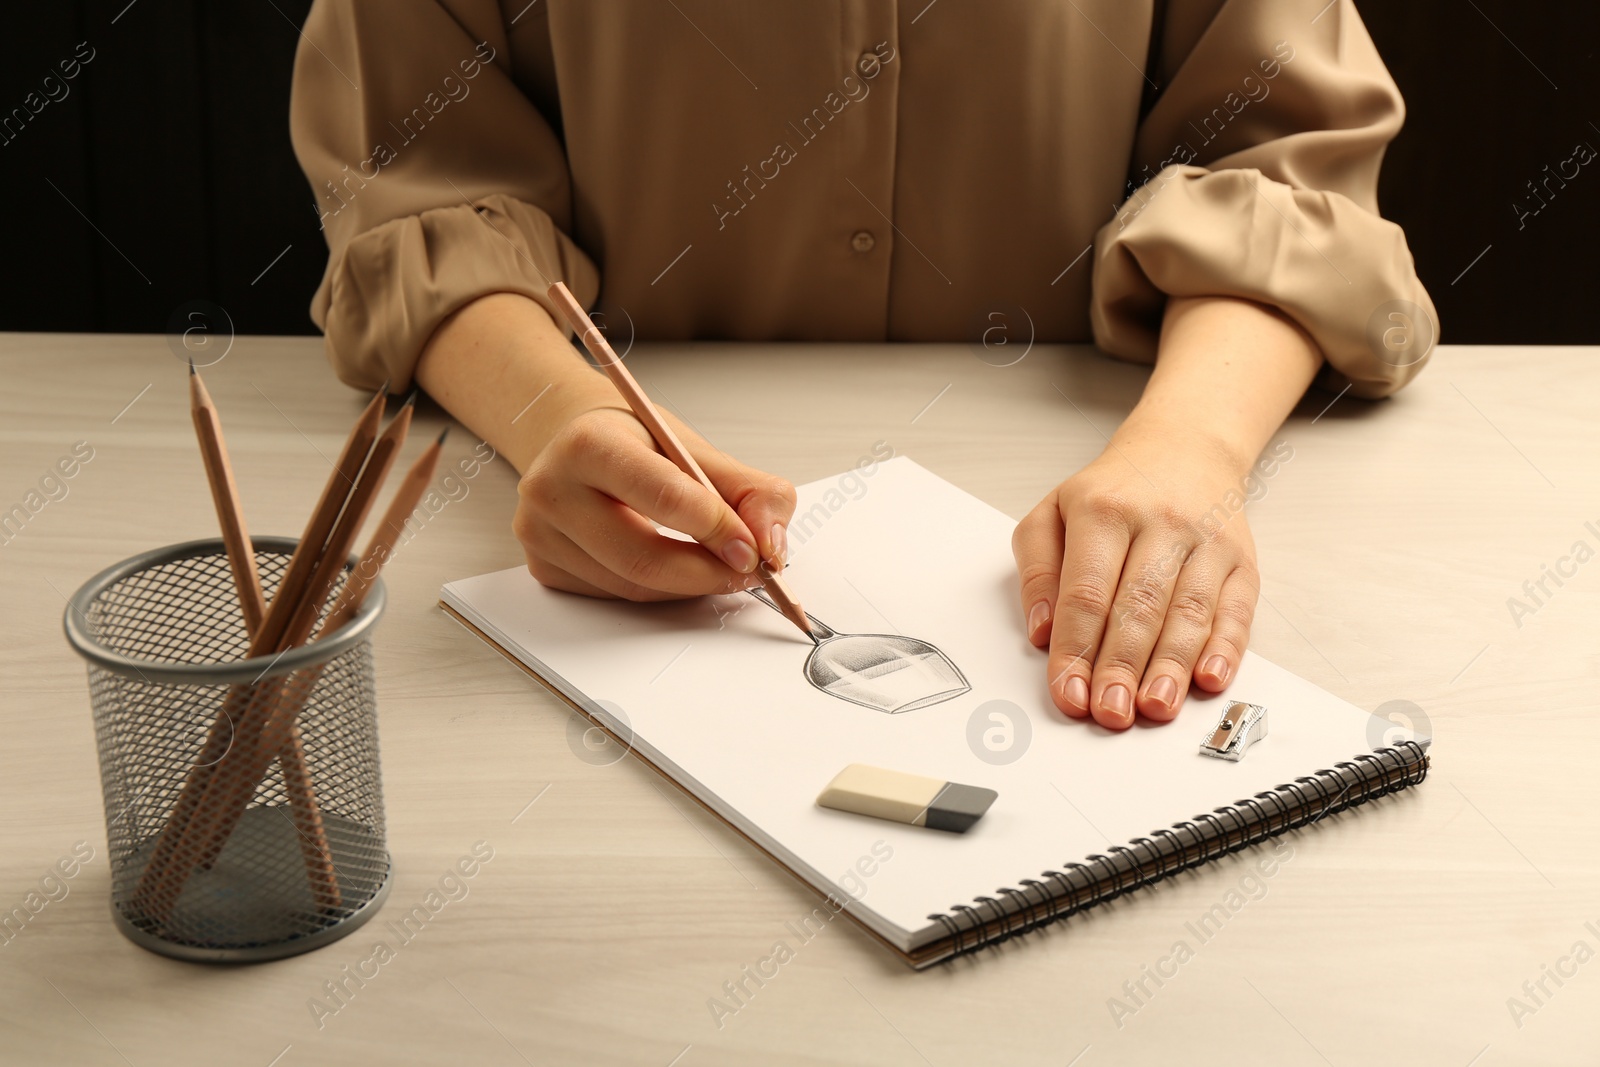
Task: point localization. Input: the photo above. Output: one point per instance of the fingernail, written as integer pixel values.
(1078, 693)
(1115, 701)
(780, 544)
(1217, 667)
(1037, 619)
(1163, 691)
(740, 555)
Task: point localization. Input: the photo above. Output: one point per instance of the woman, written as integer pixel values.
(1190, 183)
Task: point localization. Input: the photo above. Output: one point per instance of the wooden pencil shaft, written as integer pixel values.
(346, 531)
(335, 493)
(220, 737)
(306, 815)
(668, 441)
(387, 534)
(611, 364)
(783, 596)
(225, 497)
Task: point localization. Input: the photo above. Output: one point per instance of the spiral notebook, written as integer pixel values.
(726, 699)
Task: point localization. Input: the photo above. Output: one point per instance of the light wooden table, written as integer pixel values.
(613, 908)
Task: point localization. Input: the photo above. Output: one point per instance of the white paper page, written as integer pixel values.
(715, 693)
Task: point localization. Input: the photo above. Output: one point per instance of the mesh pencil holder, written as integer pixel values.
(244, 807)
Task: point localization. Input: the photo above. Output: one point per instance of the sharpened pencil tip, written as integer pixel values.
(191, 367)
(383, 390)
(443, 434)
(411, 397)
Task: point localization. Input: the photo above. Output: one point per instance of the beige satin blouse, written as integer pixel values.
(860, 170)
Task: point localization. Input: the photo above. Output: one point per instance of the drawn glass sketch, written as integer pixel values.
(884, 672)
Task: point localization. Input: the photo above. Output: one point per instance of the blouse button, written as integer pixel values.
(863, 241)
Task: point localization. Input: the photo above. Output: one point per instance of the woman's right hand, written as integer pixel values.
(592, 478)
(589, 500)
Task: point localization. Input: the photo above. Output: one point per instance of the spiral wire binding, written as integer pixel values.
(991, 920)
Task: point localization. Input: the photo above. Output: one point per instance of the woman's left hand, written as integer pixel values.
(1139, 574)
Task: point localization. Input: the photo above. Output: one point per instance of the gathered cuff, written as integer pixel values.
(394, 284)
(1343, 273)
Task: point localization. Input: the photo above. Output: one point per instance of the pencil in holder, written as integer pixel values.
(243, 800)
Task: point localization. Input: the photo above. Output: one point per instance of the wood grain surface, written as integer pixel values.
(613, 911)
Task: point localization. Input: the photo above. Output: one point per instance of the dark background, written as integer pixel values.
(166, 175)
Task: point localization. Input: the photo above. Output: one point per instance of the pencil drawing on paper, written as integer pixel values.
(885, 672)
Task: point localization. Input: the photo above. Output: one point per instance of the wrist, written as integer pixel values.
(569, 396)
(1156, 430)
(503, 368)
(1227, 374)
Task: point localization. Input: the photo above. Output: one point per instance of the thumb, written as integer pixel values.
(764, 501)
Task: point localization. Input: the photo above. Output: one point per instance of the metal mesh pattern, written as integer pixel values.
(215, 839)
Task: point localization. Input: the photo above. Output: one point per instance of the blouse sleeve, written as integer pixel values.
(1259, 169)
(436, 179)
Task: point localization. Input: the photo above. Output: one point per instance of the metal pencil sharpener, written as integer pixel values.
(1241, 726)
